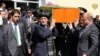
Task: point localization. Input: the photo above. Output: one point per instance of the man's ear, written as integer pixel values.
(90, 19)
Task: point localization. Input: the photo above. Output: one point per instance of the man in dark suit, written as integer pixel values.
(2, 43)
(61, 41)
(88, 36)
(42, 36)
(14, 33)
(2, 38)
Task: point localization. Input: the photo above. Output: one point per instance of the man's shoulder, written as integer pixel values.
(35, 24)
(7, 25)
(24, 17)
(94, 27)
(20, 24)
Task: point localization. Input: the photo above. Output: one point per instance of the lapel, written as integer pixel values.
(81, 32)
(85, 31)
(12, 30)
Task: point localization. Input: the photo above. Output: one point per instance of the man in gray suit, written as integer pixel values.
(15, 36)
(27, 19)
(88, 36)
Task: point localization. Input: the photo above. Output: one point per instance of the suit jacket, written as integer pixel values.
(73, 42)
(40, 39)
(98, 26)
(5, 20)
(25, 21)
(2, 42)
(11, 40)
(88, 40)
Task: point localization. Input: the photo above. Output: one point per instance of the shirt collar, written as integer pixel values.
(14, 23)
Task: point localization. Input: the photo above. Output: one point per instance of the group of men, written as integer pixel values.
(14, 35)
(37, 36)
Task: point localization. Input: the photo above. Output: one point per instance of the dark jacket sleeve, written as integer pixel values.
(5, 39)
(43, 33)
(5, 46)
(30, 35)
(25, 37)
(74, 29)
(54, 32)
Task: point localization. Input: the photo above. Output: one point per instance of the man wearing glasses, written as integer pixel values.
(27, 19)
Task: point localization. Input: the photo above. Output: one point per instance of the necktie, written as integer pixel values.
(16, 34)
(81, 30)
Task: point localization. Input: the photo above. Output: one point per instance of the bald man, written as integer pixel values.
(88, 36)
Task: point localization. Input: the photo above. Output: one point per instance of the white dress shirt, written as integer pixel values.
(18, 37)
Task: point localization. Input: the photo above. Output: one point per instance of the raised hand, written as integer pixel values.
(52, 24)
(70, 25)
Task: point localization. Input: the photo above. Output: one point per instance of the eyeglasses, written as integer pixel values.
(29, 12)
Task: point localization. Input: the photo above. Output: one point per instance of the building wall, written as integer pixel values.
(42, 2)
(80, 3)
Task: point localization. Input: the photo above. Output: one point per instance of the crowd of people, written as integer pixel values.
(28, 33)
